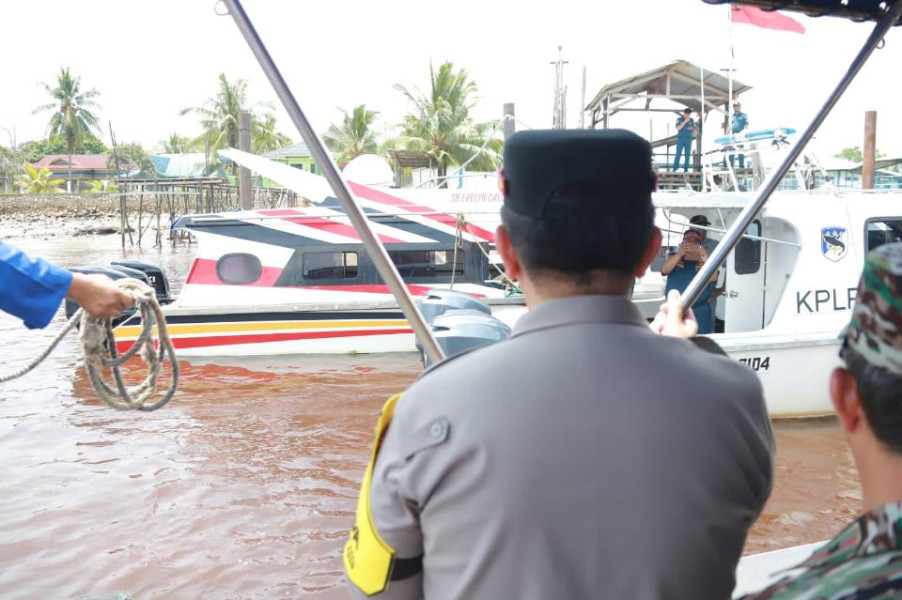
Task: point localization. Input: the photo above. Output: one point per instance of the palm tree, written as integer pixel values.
(220, 114)
(175, 144)
(355, 135)
(264, 136)
(39, 181)
(440, 124)
(72, 120)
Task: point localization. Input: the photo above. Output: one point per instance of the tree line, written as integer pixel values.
(439, 124)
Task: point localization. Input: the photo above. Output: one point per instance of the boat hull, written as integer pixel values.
(316, 329)
(794, 370)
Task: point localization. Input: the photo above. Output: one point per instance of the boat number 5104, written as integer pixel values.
(756, 363)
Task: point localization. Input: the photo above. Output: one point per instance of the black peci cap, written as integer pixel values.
(610, 168)
(699, 220)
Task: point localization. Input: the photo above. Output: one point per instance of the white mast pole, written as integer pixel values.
(729, 127)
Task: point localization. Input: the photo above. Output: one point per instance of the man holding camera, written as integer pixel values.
(681, 266)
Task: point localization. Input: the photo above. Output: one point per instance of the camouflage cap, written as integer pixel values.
(875, 331)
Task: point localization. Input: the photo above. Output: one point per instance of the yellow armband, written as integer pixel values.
(368, 559)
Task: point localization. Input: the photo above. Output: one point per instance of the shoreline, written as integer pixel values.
(45, 216)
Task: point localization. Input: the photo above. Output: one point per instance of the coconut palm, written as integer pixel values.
(355, 135)
(264, 136)
(37, 181)
(72, 119)
(175, 144)
(441, 126)
(219, 116)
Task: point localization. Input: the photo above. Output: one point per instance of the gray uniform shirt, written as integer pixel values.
(585, 457)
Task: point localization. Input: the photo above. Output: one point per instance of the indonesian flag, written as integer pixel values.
(763, 18)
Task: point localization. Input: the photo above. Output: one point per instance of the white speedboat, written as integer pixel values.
(298, 281)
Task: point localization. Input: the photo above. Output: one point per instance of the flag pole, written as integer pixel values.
(733, 235)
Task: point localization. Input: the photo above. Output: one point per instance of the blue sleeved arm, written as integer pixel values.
(30, 288)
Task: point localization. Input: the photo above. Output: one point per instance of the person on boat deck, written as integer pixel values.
(739, 122)
(865, 559)
(685, 126)
(32, 289)
(680, 268)
(585, 456)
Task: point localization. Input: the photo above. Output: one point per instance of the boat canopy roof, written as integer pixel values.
(679, 81)
(857, 10)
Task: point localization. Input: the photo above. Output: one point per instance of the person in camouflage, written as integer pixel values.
(865, 559)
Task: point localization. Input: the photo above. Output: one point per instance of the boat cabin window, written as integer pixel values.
(239, 268)
(885, 230)
(748, 251)
(330, 265)
(412, 264)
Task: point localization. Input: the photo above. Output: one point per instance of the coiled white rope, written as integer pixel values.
(99, 345)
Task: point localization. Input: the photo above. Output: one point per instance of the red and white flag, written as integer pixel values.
(763, 18)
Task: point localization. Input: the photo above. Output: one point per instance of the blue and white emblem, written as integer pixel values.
(834, 242)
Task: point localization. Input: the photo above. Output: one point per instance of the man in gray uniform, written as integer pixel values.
(584, 457)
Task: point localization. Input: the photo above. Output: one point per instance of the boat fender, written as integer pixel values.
(370, 562)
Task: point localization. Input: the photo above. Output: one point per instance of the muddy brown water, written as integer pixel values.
(245, 485)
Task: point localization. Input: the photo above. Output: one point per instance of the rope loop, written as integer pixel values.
(99, 346)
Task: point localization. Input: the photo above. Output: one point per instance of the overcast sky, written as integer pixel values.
(150, 59)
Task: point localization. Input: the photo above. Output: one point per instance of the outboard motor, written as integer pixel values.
(457, 331)
(459, 322)
(439, 301)
(118, 272)
(155, 277)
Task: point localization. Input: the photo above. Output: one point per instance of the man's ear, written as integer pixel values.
(512, 265)
(650, 252)
(844, 393)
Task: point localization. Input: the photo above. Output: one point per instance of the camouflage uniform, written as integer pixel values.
(865, 559)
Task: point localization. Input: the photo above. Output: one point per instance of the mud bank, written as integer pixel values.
(57, 215)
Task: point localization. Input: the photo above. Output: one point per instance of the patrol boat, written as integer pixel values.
(790, 283)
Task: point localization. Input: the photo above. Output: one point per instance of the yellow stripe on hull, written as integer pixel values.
(133, 331)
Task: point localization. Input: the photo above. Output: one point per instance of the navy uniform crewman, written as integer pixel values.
(584, 457)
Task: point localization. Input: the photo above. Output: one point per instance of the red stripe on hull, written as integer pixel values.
(324, 224)
(431, 213)
(262, 338)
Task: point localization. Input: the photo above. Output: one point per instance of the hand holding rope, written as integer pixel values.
(99, 346)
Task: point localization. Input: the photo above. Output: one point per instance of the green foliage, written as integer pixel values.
(854, 154)
(71, 118)
(100, 186)
(219, 117)
(264, 136)
(176, 144)
(132, 157)
(440, 124)
(11, 163)
(355, 135)
(39, 181)
(34, 151)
